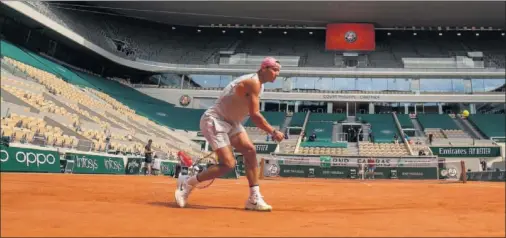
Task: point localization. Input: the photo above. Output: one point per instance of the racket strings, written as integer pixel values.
(197, 168)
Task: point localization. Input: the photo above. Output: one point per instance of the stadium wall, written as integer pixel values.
(207, 69)
(16, 157)
(173, 96)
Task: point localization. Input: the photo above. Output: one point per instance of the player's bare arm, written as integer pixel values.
(251, 90)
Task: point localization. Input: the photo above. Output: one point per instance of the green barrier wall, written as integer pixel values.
(133, 166)
(304, 171)
(341, 167)
(15, 159)
(241, 168)
(486, 176)
(95, 164)
(264, 148)
(168, 168)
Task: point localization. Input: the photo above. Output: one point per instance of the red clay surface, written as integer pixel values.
(103, 205)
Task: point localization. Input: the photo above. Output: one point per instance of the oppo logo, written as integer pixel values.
(29, 158)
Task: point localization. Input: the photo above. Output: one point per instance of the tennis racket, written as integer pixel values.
(201, 165)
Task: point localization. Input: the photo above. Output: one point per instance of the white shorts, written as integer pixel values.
(217, 131)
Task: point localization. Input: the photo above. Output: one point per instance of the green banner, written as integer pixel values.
(96, 164)
(17, 159)
(416, 173)
(241, 167)
(265, 148)
(134, 165)
(345, 161)
(304, 171)
(471, 152)
(325, 161)
(168, 168)
(495, 176)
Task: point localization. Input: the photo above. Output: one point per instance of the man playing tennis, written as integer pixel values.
(221, 126)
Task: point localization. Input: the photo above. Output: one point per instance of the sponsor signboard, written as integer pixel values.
(16, 159)
(470, 152)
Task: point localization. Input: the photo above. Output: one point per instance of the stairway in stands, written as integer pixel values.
(418, 128)
(466, 126)
(353, 148)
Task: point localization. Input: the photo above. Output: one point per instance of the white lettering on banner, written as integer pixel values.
(301, 161)
(164, 168)
(420, 174)
(335, 172)
(355, 162)
(339, 161)
(112, 164)
(422, 162)
(483, 151)
(32, 158)
(293, 171)
(465, 151)
(379, 162)
(443, 151)
(133, 165)
(2, 157)
(369, 97)
(335, 96)
(86, 163)
(262, 147)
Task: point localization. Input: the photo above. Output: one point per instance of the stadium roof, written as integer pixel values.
(318, 14)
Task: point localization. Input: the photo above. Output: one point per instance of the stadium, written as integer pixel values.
(405, 88)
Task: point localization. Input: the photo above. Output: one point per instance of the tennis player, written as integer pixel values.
(221, 126)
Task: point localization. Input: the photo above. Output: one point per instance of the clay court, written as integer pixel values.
(103, 205)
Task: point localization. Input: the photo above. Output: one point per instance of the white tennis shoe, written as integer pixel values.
(257, 203)
(182, 193)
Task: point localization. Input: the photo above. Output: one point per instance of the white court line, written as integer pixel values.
(368, 184)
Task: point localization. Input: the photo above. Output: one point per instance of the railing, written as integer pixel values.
(342, 137)
(321, 91)
(403, 136)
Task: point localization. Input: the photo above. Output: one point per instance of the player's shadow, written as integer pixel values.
(191, 206)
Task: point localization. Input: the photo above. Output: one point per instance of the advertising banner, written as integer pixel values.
(96, 164)
(470, 152)
(15, 159)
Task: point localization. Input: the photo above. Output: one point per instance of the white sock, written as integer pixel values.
(193, 180)
(255, 190)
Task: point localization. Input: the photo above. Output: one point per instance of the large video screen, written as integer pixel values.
(350, 37)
